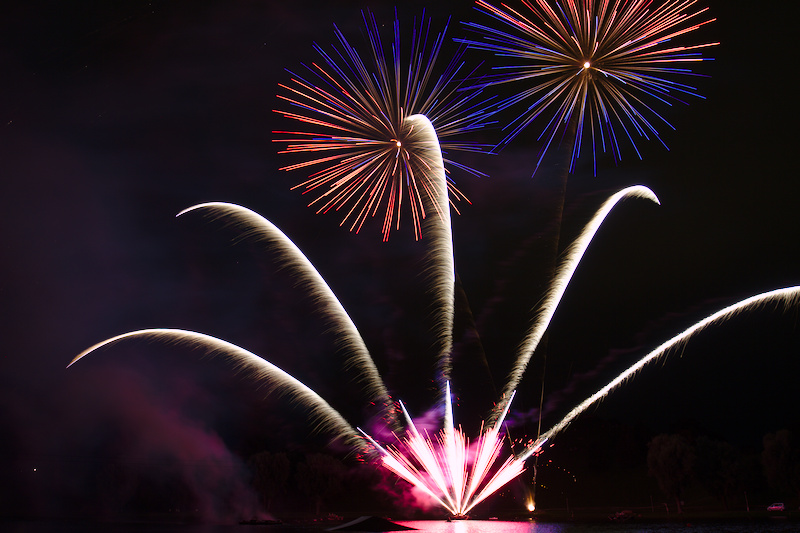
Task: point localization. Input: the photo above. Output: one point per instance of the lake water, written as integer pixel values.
(427, 526)
(478, 526)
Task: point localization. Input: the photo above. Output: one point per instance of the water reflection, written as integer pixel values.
(482, 526)
(496, 526)
(423, 526)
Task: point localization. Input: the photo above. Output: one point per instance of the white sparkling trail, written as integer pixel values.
(573, 256)
(293, 259)
(326, 418)
(440, 264)
(789, 296)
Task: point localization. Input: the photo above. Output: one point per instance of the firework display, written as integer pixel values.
(378, 129)
(353, 110)
(446, 467)
(601, 67)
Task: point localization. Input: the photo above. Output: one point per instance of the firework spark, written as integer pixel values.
(563, 275)
(291, 258)
(595, 65)
(439, 260)
(325, 417)
(354, 109)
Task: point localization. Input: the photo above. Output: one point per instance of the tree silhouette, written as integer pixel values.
(320, 477)
(781, 460)
(270, 475)
(718, 468)
(670, 459)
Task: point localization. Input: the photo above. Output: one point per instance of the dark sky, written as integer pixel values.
(113, 119)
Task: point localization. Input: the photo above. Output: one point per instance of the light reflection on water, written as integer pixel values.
(482, 526)
(427, 526)
(492, 526)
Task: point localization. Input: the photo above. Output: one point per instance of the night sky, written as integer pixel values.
(115, 116)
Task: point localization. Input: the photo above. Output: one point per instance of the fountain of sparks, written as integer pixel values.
(444, 469)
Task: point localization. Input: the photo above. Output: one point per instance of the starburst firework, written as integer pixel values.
(354, 110)
(593, 65)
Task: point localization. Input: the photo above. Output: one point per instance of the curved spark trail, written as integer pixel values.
(353, 111)
(788, 296)
(329, 306)
(566, 270)
(598, 64)
(326, 418)
(440, 257)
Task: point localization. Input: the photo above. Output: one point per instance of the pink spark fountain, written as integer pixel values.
(445, 468)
